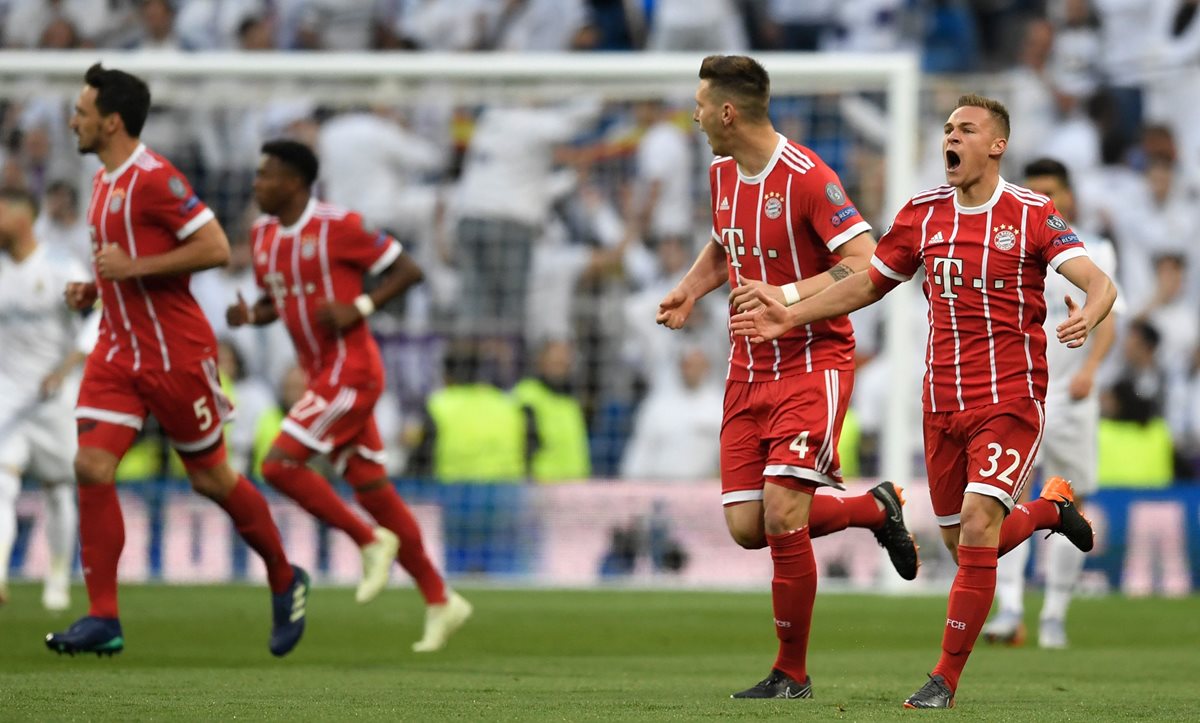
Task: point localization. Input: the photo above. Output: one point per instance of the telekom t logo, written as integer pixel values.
(946, 272)
(734, 244)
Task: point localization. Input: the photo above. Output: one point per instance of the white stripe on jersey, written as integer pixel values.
(787, 217)
(825, 453)
(137, 352)
(762, 265)
(1029, 198)
(733, 252)
(158, 330)
(1021, 301)
(297, 291)
(933, 194)
(798, 157)
(929, 295)
(987, 309)
(954, 325)
(327, 278)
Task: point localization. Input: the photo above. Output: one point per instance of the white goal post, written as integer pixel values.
(379, 78)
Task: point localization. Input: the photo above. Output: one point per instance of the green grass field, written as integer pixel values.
(200, 652)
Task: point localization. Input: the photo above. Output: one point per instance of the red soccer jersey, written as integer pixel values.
(147, 207)
(985, 272)
(779, 226)
(323, 257)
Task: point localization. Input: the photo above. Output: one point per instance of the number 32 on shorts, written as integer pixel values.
(994, 461)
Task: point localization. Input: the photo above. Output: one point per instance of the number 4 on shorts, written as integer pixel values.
(800, 444)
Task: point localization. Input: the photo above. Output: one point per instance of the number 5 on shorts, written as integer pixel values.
(200, 407)
(799, 445)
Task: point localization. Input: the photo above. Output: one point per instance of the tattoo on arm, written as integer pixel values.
(840, 272)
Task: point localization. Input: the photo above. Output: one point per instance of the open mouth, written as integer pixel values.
(952, 161)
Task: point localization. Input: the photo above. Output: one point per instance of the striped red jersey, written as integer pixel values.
(323, 257)
(985, 272)
(781, 225)
(148, 208)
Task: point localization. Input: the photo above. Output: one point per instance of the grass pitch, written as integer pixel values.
(201, 653)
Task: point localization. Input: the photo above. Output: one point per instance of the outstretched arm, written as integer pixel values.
(1101, 293)
(708, 273)
(772, 320)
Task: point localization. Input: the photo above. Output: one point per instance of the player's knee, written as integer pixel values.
(749, 539)
(95, 466)
(979, 526)
(214, 482)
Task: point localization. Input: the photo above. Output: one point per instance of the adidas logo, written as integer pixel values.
(724, 204)
(937, 239)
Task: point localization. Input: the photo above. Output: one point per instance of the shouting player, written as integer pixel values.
(784, 227)
(156, 355)
(984, 244)
(310, 259)
(1073, 412)
(36, 424)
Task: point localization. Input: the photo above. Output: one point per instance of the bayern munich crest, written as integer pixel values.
(308, 247)
(117, 201)
(1005, 238)
(773, 206)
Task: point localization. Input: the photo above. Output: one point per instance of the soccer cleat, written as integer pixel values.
(893, 536)
(89, 634)
(778, 685)
(1071, 525)
(1052, 634)
(1006, 628)
(287, 612)
(441, 621)
(377, 559)
(934, 694)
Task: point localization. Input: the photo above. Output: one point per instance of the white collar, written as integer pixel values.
(986, 205)
(758, 177)
(110, 177)
(300, 222)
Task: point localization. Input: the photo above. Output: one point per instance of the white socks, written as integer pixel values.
(62, 523)
(1010, 579)
(1064, 564)
(10, 486)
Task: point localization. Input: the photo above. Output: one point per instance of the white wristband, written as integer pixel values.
(365, 305)
(790, 295)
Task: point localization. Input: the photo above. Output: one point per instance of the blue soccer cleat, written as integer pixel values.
(101, 636)
(287, 611)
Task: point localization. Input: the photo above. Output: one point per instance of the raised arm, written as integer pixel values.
(1100, 291)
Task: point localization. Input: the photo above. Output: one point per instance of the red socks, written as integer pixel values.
(101, 538)
(314, 493)
(390, 511)
(831, 514)
(793, 589)
(970, 600)
(252, 519)
(1019, 526)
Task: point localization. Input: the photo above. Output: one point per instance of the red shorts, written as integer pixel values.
(339, 421)
(989, 450)
(787, 429)
(187, 402)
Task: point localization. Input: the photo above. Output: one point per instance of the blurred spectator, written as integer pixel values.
(473, 431)
(255, 403)
(949, 40)
(662, 195)
(1184, 412)
(269, 422)
(677, 431)
(256, 34)
(157, 27)
(534, 25)
(1139, 393)
(60, 34)
(559, 438)
(504, 197)
(1130, 33)
(56, 23)
(799, 24)
(870, 26)
(372, 163)
(1135, 446)
(441, 25)
(613, 25)
(342, 25)
(1075, 59)
(1169, 311)
(61, 225)
(214, 24)
(699, 25)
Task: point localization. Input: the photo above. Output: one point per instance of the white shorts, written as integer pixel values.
(1069, 446)
(40, 440)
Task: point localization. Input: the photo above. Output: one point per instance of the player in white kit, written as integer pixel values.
(37, 420)
(1070, 452)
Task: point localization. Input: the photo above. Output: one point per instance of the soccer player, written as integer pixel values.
(1073, 412)
(36, 424)
(783, 226)
(310, 259)
(156, 355)
(984, 244)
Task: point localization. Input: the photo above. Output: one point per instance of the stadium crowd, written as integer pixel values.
(549, 234)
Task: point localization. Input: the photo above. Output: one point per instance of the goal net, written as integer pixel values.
(552, 200)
